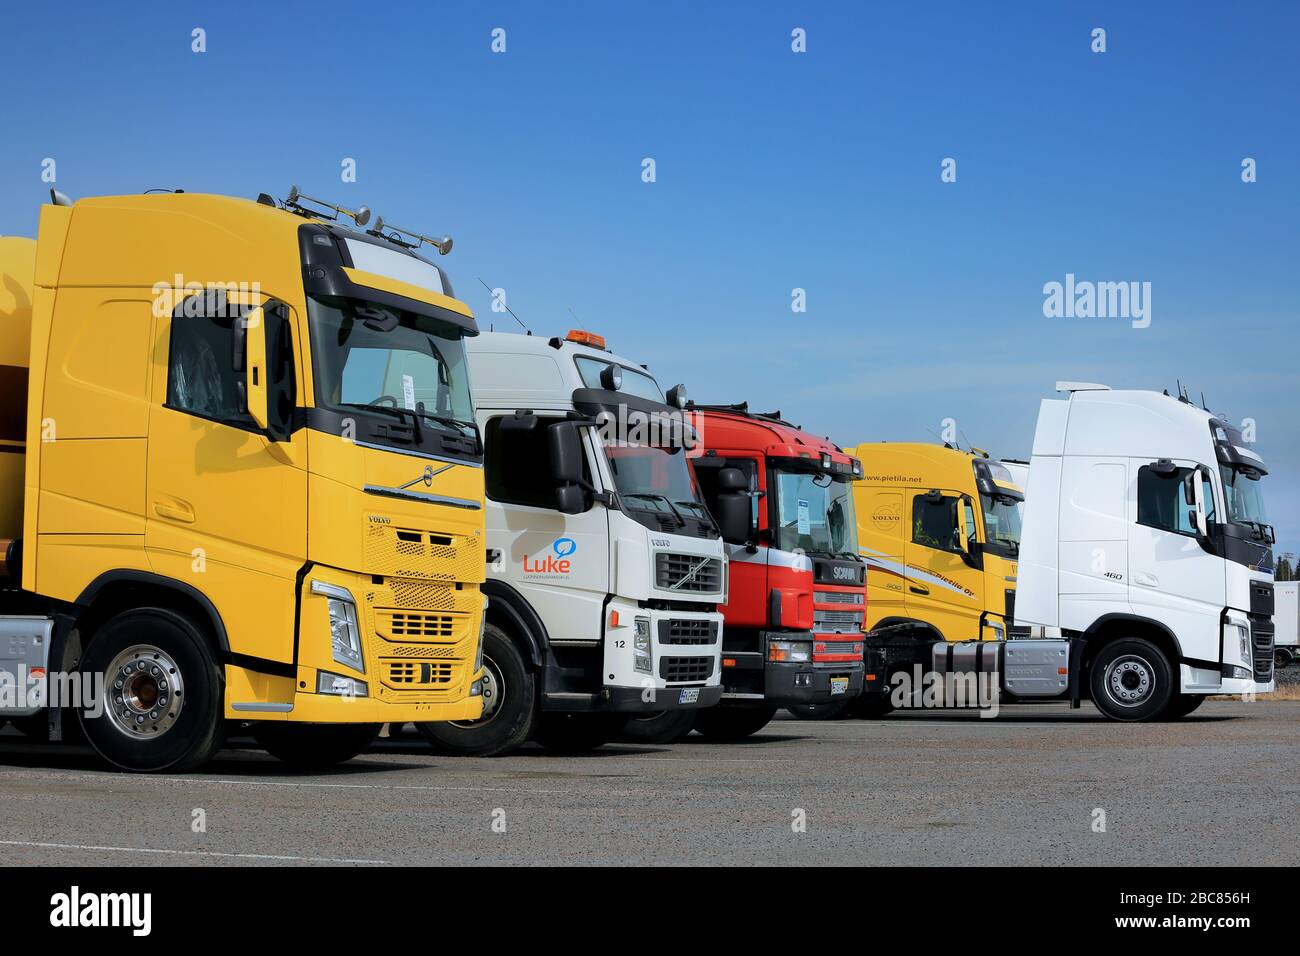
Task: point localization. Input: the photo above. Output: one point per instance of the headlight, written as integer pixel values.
(1243, 642)
(642, 654)
(345, 635)
(340, 686)
(790, 652)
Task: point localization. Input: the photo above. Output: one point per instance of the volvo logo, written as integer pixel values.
(427, 477)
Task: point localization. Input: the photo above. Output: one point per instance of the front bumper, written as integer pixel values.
(329, 709)
(632, 701)
(787, 684)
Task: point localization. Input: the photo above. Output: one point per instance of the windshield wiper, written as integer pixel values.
(395, 411)
(448, 420)
(700, 506)
(665, 499)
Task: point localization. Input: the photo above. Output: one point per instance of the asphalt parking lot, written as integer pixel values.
(1220, 787)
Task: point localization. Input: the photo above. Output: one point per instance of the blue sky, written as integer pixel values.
(775, 171)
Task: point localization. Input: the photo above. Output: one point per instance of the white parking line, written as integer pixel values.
(230, 856)
(48, 774)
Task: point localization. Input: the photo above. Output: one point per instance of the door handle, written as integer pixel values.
(1146, 580)
(175, 509)
(917, 589)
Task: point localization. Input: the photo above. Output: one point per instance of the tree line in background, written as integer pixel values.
(1287, 569)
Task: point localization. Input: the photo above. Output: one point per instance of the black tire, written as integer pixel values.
(1131, 679)
(733, 723)
(1182, 704)
(314, 746)
(1283, 657)
(577, 733)
(163, 681)
(830, 710)
(510, 691)
(871, 706)
(664, 727)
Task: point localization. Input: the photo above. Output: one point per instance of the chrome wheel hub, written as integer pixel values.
(1129, 680)
(145, 691)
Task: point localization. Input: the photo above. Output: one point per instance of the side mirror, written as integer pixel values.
(1197, 488)
(566, 454)
(255, 385)
(733, 517)
(1189, 487)
(962, 533)
(732, 480)
(571, 500)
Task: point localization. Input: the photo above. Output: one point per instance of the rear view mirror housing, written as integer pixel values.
(566, 453)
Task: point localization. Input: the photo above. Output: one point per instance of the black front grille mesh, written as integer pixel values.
(686, 668)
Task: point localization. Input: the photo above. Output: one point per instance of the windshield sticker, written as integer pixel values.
(805, 524)
(408, 392)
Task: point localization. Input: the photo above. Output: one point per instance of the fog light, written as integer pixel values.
(803, 680)
(1243, 673)
(339, 686)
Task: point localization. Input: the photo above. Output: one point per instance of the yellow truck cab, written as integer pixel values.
(241, 479)
(940, 531)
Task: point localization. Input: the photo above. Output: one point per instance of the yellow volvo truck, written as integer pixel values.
(940, 531)
(240, 480)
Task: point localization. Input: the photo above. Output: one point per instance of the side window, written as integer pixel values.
(1161, 501)
(517, 464)
(203, 376)
(933, 522)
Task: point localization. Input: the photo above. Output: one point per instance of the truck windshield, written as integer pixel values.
(1002, 524)
(655, 478)
(1244, 494)
(372, 357)
(815, 514)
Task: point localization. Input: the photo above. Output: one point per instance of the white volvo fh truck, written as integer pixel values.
(1145, 542)
(605, 568)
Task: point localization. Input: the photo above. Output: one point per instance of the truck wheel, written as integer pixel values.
(1282, 657)
(1131, 680)
(164, 692)
(830, 710)
(871, 706)
(1182, 705)
(664, 727)
(733, 723)
(313, 746)
(576, 733)
(509, 705)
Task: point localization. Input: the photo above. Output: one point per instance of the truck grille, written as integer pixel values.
(829, 622)
(838, 597)
(688, 631)
(417, 673)
(418, 625)
(426, 555)
(686, 668)
(688, 573)
(838, 647)
(1261, 636)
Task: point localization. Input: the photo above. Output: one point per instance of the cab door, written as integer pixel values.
(558, 562)
(944, 583)
(226, 507)
(1173, 579)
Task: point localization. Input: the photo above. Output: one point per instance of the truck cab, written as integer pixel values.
(606, 568)
(1146, 540)
(797, 596)
(252, 485)
(939, 528)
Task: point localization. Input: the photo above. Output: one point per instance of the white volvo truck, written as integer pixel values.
(605, 568)
(1145, 542)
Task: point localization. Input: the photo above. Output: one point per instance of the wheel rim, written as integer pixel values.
(146, 692)
(493, 694)
(1130, 680)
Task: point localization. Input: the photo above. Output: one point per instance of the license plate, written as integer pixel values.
(689, 695)
(839, 685)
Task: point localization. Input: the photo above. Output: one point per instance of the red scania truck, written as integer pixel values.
(793, 621)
